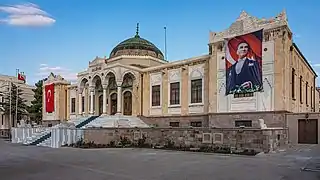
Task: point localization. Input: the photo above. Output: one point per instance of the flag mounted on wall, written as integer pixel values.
(49, 97)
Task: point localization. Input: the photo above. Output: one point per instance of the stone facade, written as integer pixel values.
(60, 100)
(279, 57)
(27, 95)
(293, 126)
(239, 139)
(122, 84)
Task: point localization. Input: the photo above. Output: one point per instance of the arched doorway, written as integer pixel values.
(127, 103)
(113, 104)
(100, 104)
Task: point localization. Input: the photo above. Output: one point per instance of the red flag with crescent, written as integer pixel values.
(49, 90)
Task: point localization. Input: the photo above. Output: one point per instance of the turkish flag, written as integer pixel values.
(49, 90)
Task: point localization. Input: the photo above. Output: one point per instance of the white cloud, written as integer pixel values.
(45, 70)
(316, 65)
(26, 15)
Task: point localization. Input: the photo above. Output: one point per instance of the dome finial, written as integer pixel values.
(137, 32)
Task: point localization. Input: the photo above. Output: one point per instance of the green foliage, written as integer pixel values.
(16, 94)
(35, 109)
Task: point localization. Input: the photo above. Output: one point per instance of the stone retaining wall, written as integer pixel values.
(220, 120)
(265, 140)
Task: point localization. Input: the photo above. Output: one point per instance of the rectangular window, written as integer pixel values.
(311, 97)
(2, 119)
(293, 83)
(306, 93)
(73, 105)
(196, 124)
(245, 123)
(196, 91)
(301, 89)
(155, 95)
(174, 124)
(240, 95)
(82, 102)
(174, 93)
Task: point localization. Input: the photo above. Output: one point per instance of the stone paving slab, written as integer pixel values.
(28, 162)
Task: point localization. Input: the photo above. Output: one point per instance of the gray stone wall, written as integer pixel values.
(227, 120)
(220, 120)
(184, 121)
(236, 138)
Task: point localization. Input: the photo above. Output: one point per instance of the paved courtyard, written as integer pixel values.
(19, 162)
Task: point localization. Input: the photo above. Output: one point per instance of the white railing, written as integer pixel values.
(64, 136)
(58, 138)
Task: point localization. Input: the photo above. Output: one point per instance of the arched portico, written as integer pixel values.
(107, 93)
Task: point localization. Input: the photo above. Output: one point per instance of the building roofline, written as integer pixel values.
(304, 58)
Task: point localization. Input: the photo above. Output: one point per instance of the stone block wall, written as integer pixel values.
(220, 120)
(227, 120)
(261, 140)
(184, 121)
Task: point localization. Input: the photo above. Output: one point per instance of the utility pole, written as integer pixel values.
(165, 43)
(10, 104)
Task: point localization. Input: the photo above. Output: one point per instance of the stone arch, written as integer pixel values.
(128, 79)
(95, 75)
(126, 91)
(83, 82)
(133, 74)
(109, 73)
(96, 80)
(196, 74)
(113, 98)
(127, 101)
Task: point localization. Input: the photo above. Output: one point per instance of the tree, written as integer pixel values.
(35, 109)
(16, 95)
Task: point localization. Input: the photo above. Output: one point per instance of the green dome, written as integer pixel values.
(136, 46)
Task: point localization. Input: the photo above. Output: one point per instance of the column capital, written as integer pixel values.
(105, 86)
(79, 89)
(119, 83)
(91, 88)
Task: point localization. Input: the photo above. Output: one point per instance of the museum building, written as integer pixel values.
(253, 70)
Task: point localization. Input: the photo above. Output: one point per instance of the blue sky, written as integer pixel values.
(70, 33)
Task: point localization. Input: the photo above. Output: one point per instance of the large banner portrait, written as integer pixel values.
(244, 63)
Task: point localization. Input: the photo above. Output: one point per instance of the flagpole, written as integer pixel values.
(17, 89)
(165, 43)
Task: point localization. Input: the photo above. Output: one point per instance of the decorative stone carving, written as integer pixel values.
(155, 79)
(91, 88)
(246, 23)
(174, 75)
(196, 71)
(57, 79)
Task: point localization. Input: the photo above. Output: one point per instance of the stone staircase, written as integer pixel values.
(116, 121)
(43, 137)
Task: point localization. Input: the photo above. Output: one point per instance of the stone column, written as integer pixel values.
(104, 101)
(91, 99)
(119, 98)
(80, 104)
